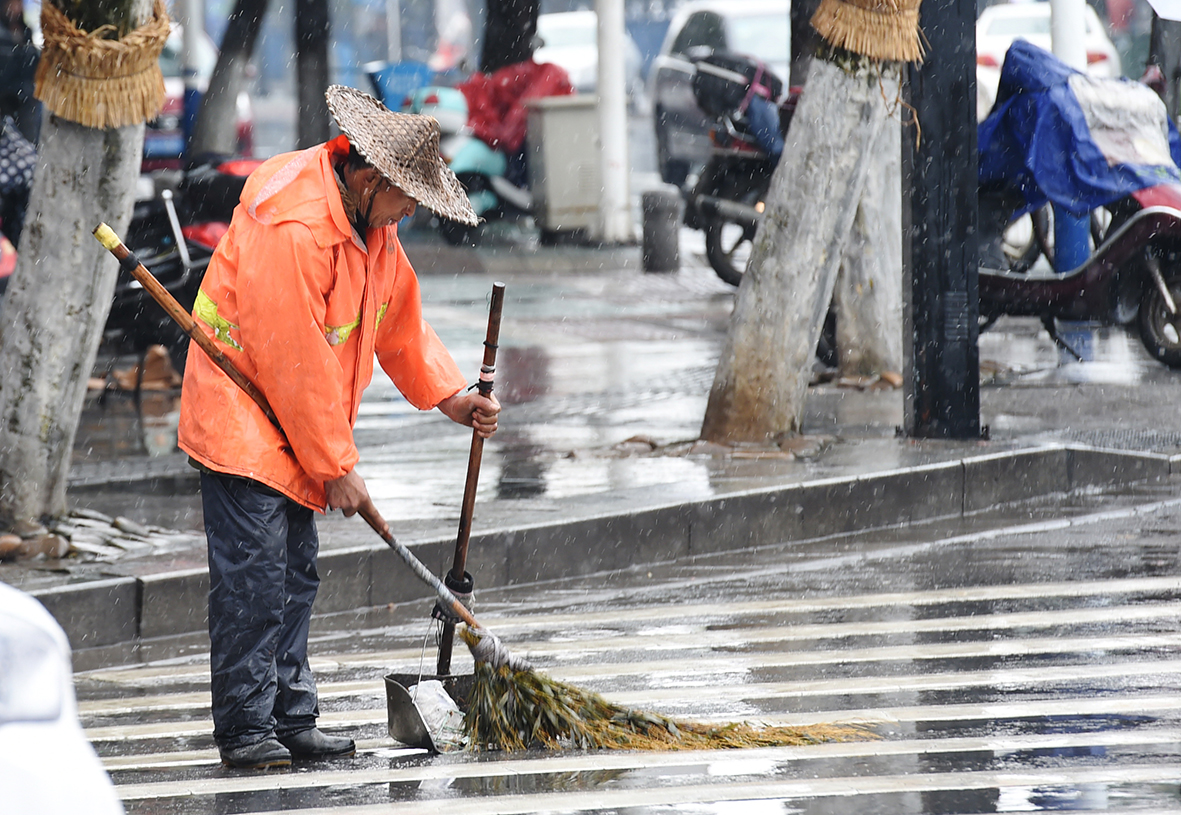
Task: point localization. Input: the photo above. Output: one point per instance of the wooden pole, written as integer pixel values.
(475, 456)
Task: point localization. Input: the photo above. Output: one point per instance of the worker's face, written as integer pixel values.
(390, 205)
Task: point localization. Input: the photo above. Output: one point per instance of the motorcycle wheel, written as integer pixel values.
(728, 245)
(1160, 333)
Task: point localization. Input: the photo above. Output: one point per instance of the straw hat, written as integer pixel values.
(403, 147)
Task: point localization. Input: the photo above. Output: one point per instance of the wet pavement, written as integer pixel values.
(1010, 659)
(1023, 659)
(592, 358)
(604, 372)
(1020, 659)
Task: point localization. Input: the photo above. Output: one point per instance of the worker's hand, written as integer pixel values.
(472, 409)
(349, 494)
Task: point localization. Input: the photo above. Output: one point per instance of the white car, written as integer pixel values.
(998, 26)
(570, 40)
(46, 764)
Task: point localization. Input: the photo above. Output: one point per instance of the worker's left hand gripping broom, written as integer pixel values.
(486, 647)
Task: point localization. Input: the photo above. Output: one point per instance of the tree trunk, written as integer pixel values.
(57, 302)
(311, 69)
(868, 298)
(509, 28)
(765, 366)
(216, 129)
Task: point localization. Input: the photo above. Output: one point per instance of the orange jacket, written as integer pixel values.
(301, 307)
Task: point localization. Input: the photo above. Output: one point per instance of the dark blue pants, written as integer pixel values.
(262, 582)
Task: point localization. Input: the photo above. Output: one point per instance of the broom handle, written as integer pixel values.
(467, 508)
(127, 260)
(374, 519)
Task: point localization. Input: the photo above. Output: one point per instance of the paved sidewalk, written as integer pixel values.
(604, 372)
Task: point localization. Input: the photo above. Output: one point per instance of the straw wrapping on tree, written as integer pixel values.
(97, 81)
(881, 29)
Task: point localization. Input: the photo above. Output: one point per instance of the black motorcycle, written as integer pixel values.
(174, 234)
(726, 199)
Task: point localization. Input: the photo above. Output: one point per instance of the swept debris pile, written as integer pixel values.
(92, 536)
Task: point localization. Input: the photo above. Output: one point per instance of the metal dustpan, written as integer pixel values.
(406, 723)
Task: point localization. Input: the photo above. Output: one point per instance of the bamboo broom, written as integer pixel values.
(513, 706)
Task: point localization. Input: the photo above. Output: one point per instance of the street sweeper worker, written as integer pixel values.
(307, 286)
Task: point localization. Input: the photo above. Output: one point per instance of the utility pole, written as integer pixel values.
(193, 18)
(393, 31)
(1165, 48)
(941, 305)
(1068, 32)
(614, 202)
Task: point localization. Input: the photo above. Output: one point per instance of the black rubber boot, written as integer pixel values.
(258, 756)
(314, 743)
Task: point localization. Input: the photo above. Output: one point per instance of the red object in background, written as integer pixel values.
(496, 102)
(1119, 14)
(206, 234)
(239, 166)
(1154, 78)
(7, 257)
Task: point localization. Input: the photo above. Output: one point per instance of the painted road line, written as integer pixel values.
(507, 765)
(204, 758)
(1148, 705)
(664, 640)
(195, 671)
(705, 669)
(762, 789)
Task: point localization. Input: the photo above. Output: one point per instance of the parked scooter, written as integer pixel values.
(481, 169)
(1104, 146)
(726, 198)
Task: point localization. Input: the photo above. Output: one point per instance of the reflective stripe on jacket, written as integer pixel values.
(301, 307)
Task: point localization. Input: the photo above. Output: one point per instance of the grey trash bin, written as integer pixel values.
(661, 230)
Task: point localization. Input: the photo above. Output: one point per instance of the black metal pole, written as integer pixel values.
(942, 370)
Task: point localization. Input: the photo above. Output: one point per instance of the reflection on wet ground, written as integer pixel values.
(1003, 671)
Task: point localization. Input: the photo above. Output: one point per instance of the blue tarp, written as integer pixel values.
(393, 81)
(1058, 135)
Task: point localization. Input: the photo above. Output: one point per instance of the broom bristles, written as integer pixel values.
(520, 709)
(880, 29)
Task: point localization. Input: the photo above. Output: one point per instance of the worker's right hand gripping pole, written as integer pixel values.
(458, 578)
